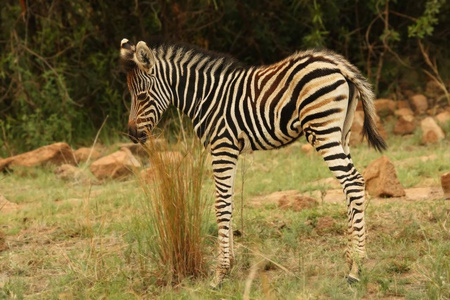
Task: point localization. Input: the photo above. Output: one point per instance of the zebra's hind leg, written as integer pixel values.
(352, 182)
(224, 161)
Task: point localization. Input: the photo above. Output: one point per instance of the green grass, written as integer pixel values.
(81, 241)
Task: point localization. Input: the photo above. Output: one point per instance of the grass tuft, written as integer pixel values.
(173, 213)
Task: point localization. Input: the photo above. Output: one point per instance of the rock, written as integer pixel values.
(384, 107)
(7, 206)
(70, 173)
(420, 103)
(117, 165)
(307, 148)
(137, 150)
(380, 127)
(431, 132)
(324, 224)
(403, 104)
(82, 154)
(445, 183)
(296, 202)
(57, 154)
(357, 127)
(356, 136)
(405, 124)
(404, 112)
(381, 179)
(444, 117)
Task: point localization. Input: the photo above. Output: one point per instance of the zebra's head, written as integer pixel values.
(146, 107)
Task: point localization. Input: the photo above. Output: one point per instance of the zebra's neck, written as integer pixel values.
(195, 82)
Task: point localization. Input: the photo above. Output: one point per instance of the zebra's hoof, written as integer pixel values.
(216, 283)
(352, 280)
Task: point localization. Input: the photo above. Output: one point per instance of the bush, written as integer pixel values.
(60, 76)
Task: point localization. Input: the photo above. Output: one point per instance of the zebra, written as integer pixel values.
(237, 109)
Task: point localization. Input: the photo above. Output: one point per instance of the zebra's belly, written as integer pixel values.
(249, 143)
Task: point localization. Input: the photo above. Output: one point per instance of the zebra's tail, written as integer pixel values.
(367, 97)
(370, 129)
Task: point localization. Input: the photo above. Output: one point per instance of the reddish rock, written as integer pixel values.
(57, 154)
(381, 179)
(117, 165)
(419, 103)
(431, 132)
(380, 127)
(403, 104)
(137, 150)
(445, 183)
(356, 129)
(444, 117)
(356, 136)
(404, 112)
(384, 107)
(82, 154)
(405, 124)
(296, 202)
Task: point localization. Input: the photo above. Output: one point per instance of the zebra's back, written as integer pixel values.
(304, 91)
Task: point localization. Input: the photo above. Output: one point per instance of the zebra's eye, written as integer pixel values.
(142, 96)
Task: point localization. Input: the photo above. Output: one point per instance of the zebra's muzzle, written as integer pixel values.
(135, 135)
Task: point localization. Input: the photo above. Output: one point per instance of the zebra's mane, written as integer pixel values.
(162, 48)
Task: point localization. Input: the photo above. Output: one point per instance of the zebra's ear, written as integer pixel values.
(144, 57)
(127, 49)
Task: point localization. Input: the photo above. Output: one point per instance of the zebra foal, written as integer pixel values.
(236, 109)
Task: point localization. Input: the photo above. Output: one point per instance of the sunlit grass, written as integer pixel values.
(82, 241)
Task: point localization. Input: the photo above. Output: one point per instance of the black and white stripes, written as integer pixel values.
(235, 109)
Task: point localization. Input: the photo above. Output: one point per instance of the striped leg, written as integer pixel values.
(352, 183)
(224, 161)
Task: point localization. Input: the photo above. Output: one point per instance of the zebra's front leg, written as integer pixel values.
(224, 163)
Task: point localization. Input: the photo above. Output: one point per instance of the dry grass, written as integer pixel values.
(174, 208)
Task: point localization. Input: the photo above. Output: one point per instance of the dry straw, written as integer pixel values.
(174, 210)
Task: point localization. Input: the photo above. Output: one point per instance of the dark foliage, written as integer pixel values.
(60, 73)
